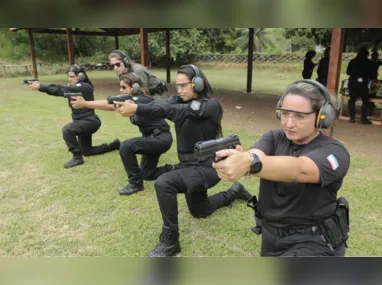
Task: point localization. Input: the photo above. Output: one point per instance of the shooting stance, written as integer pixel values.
(300, 170)
(197, 117)
(85, 121)
(156, 137)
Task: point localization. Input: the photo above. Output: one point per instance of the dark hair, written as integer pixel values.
(362, 53)
(78, 69)
(205, 93)
(310, 54)
(375, 53)
(120, 54)
(308, 91)
(130, 79)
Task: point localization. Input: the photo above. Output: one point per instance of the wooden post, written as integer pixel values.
(33, 53)
(144, 47)
(336, 48)
(116, 42)
(168, 57)
(250, 59)
(69, 38)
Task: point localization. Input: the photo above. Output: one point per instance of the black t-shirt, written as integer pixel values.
(291, 204)
(147, 124)
(322, 70)
(308, 68)
(81, 87)
(195, 120)
(360, 72)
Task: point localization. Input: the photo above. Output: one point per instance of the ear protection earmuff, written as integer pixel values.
(136, 87)
(123, 57)
(81, 75)
(197, 81)
(326, 115)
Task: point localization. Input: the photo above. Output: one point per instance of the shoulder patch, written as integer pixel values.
(333, 161)
(195, 105)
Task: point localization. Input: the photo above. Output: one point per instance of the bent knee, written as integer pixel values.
(162, 182)
(66, 130)
(126, 147)
(199, 213)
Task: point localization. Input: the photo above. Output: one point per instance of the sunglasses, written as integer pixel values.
(182, 85)
(117, 64)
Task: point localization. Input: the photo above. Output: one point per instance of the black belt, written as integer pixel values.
(153, 132)
(283, 232)
(82, 115)
(187, 157)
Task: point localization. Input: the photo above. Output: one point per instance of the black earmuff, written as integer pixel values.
(136, 87)
(123, 57)
(326, 115)
(81, 75)
(197, 81)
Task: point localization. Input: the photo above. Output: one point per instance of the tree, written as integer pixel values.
(354, 38)
(320, 36)
(260, 39)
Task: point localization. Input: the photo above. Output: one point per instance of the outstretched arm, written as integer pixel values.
(275, 168)
(79, 102)
(174, 112)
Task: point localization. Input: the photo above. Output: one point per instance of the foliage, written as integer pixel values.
(261, 39)
(185, 44)
(320, 36)
(354, 38)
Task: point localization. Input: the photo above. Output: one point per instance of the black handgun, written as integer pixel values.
(206, 149)
(25, 81)
(69, 95)
(119, 98)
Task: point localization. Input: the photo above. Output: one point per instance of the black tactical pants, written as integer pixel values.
(83, 129)
(310, 243)
(358, 91)
(193, 181)
(151, 148)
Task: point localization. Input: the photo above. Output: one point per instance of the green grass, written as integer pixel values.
(47, 210)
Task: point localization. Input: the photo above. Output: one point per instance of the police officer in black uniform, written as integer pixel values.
(360, 72)
(197, 116)
(301, 171)
(85, 121)
(323, 67)
(156, 137)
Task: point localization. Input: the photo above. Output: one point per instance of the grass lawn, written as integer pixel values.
(47, 210)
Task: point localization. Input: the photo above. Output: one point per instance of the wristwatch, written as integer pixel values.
(256, 164)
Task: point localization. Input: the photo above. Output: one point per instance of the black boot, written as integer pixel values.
(76, 160)
(240, 192)
(168, 244)
(131, 189)
(114, 145)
